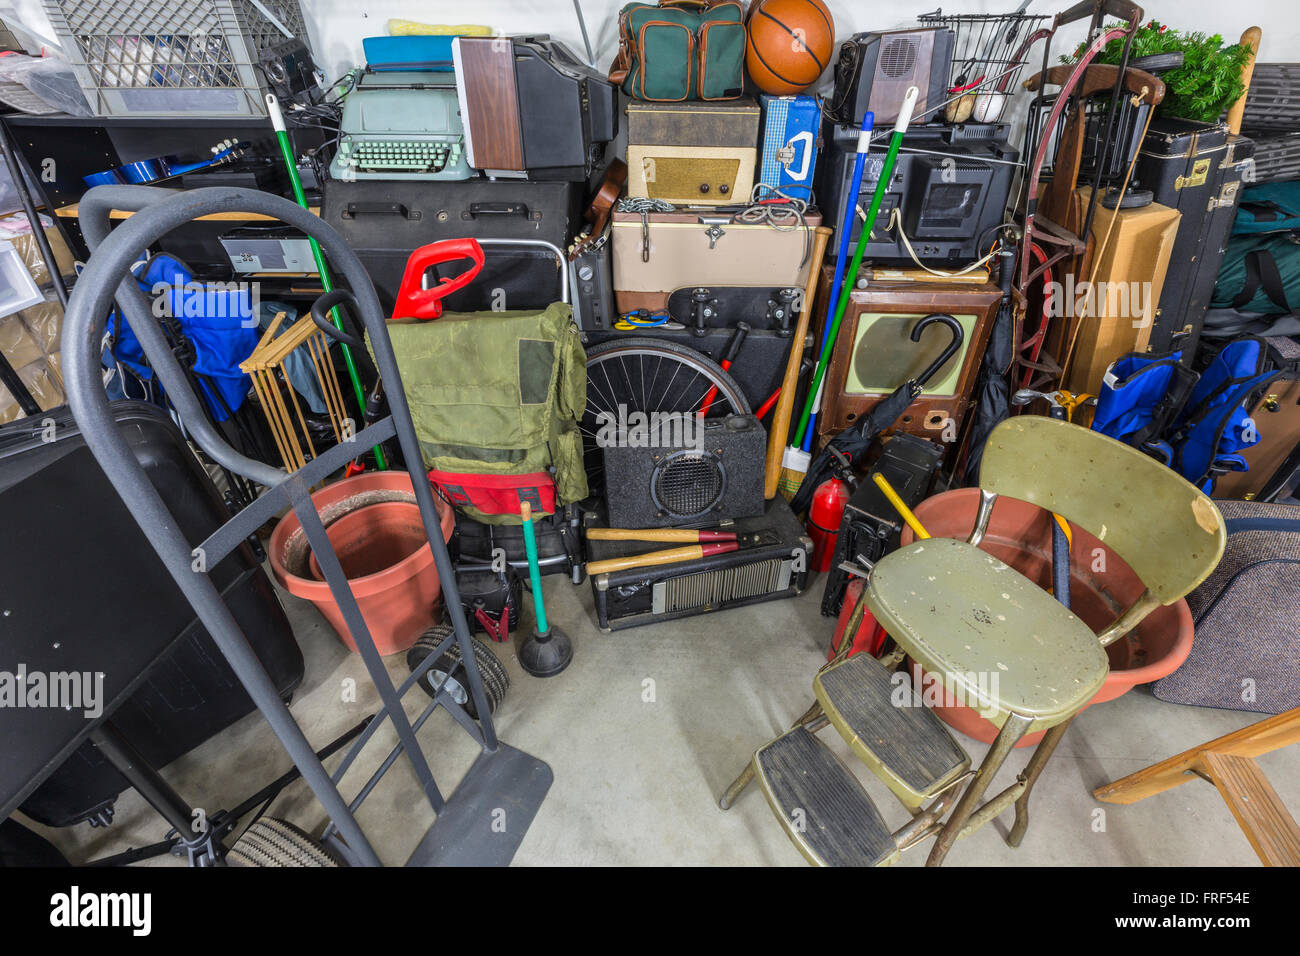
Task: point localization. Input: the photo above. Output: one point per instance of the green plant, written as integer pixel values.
(1208, 82)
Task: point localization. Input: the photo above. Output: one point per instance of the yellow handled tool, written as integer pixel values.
(903, 510)
(667, 556)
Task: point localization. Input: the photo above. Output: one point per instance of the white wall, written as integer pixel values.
(337, 26)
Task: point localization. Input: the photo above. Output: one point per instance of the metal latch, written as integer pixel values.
(714, 232)
(1200, 172)
(1227, 197)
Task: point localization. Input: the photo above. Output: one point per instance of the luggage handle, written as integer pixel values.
(415, 301)
(477, 209)
(354, 209)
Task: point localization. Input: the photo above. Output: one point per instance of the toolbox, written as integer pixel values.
(1196, 168)
(79, 571)
(385, 221)
(772, 566)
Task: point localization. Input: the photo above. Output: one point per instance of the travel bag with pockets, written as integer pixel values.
(681, 50)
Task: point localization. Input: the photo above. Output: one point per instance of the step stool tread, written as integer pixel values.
(839, 825)
(860, 695)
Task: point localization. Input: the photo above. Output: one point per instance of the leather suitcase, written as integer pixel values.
(692, 153)
(78, 568)
(1196, 168)
(686, 249)
(1276, 414)
(385, 222)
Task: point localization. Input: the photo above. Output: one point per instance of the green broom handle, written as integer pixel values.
(286, 149)
(534, 570)
(882, 185)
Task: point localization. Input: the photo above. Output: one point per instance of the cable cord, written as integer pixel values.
(896, 222)
(774, 207)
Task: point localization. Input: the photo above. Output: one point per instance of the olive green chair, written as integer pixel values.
(998, 643)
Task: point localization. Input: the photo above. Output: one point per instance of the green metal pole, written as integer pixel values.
(882, 185)
(534, 570)
(286, 149)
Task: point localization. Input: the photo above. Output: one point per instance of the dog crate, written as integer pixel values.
(181, 57)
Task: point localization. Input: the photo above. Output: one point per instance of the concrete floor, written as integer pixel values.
(647, 728)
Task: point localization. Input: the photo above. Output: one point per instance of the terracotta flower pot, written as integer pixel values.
(375, 527)
(1101, 587)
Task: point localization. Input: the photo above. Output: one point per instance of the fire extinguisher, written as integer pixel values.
(824, 516)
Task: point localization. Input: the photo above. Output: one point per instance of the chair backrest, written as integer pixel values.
(1171, 534)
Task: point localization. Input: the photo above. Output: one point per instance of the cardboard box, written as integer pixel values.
(1114, 306)
(17, 230)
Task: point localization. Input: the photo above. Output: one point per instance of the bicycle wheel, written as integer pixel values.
(643, 374)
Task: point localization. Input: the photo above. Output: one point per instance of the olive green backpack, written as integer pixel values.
(497, 394)
(681, 50)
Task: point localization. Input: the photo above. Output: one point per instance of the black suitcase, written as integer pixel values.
(385, 221)
(1196, 168)
(77, 566)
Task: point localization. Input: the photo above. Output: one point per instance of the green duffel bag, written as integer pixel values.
(497, 394)
(681, 50)
(1260, 273)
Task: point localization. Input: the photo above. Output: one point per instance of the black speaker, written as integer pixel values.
(659, 477)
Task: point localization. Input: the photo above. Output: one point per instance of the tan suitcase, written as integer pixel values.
(687, 249)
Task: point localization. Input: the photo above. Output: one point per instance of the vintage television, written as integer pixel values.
(874, 354)
(950, 187)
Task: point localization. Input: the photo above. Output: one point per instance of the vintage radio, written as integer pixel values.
(874, 71)
(950, 195)
(702, 154)
(531, 109)
(874, 354)
(680, 483)
(871, 527)
(687, 249)
(772, 563)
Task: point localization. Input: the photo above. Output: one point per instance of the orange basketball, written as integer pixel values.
(790, 44)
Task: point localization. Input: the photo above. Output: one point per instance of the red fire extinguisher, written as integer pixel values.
(824, 515)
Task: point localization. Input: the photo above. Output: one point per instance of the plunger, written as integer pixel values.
(548, 650)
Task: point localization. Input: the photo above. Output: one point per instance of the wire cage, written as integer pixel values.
(1114, 155)
(988, 53)
(191, 57)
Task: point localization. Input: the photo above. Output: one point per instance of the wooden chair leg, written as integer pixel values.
(1011, 732)
(1042, 754)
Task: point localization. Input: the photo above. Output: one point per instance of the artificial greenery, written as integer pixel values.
(1208, 82)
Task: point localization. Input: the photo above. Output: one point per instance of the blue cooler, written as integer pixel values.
(790, 127)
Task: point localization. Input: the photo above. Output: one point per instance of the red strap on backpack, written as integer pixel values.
(414, 302)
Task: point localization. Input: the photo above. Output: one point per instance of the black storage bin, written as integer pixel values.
(76, 569)
(385, 221)
(1196, 168)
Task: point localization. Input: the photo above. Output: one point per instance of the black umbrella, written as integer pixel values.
(992, 405)
(843, 451)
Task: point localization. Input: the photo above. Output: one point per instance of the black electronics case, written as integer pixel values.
(1196, 168)
(775, 566)
(871, 526)
(385, 221)
(76, 561)
(951, 193)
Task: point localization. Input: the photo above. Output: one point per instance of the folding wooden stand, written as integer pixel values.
(1229, 764)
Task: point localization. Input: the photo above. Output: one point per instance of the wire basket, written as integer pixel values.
(988, 53)
(171, 58)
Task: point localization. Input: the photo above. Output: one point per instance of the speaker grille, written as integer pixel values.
(714, 588)
(688, 484)
(897, 58)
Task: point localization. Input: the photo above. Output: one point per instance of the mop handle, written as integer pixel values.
(286, 149)
(882, 184)
(846, 233)
(903, 510)
(534, 572)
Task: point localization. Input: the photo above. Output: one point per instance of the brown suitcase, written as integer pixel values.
(1277, 416)
(873, 354)
(703, 247)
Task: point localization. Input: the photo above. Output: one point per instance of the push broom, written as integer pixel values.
(796, 453)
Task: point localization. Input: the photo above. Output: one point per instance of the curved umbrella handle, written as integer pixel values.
(958, 336)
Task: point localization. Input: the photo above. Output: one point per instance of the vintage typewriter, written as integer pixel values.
(399, 125)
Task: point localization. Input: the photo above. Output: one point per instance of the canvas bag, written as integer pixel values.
(680, 50)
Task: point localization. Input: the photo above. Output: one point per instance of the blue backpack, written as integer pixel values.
(1196, 424)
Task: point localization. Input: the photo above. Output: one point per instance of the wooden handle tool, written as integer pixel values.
(667, 556)
(658, 534)
(777, 434)
(1250, 38)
